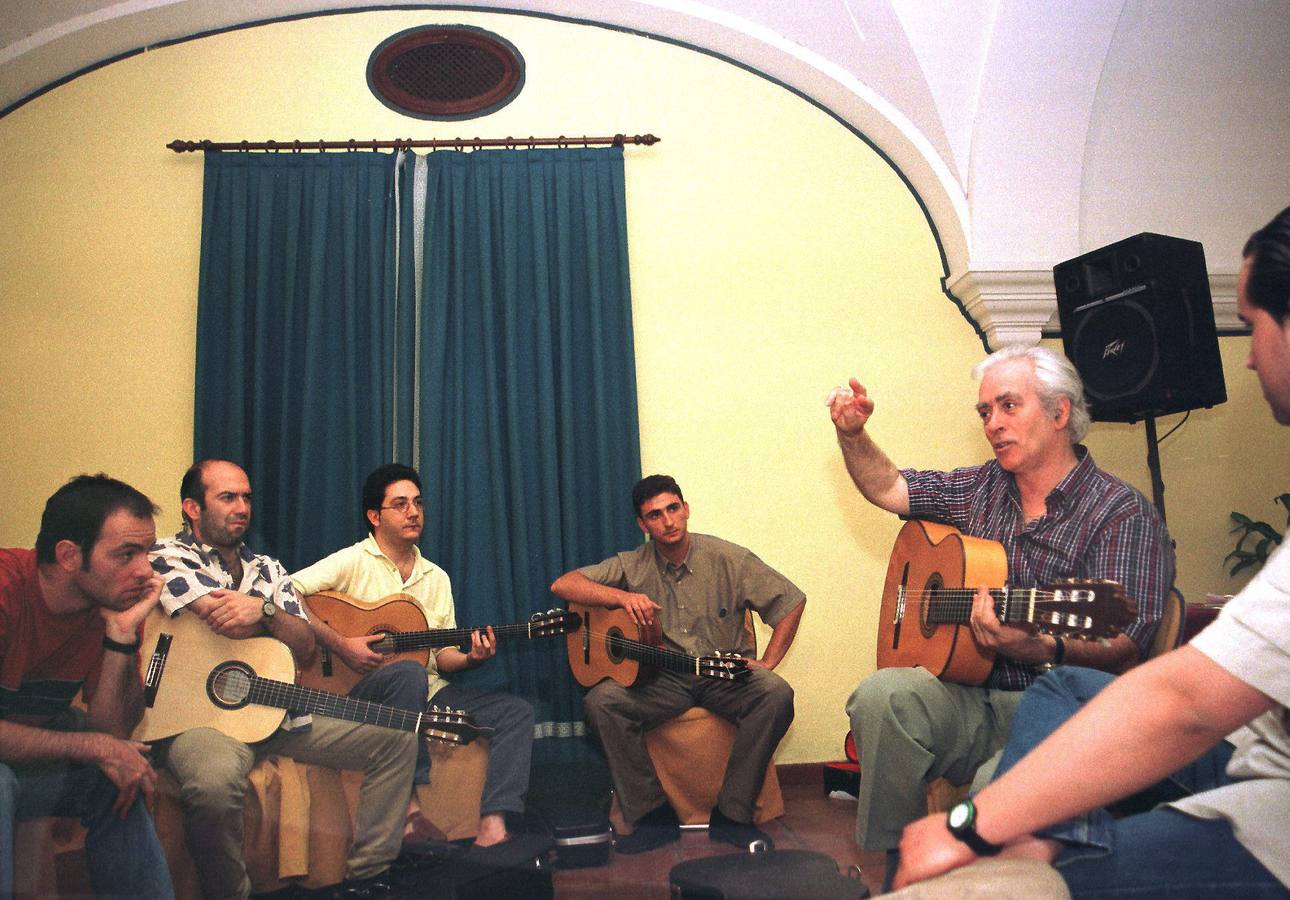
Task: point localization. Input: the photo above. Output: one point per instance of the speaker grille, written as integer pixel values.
(445, 72)
(1114, 346)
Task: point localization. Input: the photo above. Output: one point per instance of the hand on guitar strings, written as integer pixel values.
(1023, 644)
(483, 647)
(357, 653)
(849, 407)
(640, 607)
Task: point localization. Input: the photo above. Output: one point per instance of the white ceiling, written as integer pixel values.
(1033, 130)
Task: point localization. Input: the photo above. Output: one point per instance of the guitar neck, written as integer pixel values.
(280, 694)
(660, 657)
(404, 641)
(953, 606)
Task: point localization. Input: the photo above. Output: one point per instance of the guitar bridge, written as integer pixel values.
(156, 668)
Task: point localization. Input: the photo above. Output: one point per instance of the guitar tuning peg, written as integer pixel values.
(434, 708)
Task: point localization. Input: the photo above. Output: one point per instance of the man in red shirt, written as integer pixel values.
(70, 616)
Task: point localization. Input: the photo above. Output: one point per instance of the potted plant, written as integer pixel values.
(1263, 536)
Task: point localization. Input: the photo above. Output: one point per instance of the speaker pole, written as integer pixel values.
(1153, 463)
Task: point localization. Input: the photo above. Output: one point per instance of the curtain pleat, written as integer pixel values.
(529, 440)
(294, 332)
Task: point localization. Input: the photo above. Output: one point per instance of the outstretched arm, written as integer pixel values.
(1144, 725)
(873, 473)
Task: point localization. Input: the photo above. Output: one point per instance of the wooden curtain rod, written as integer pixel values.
(511, 143)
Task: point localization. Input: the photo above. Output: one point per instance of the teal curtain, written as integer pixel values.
(295, 325)
(526, 431)
(470, 315)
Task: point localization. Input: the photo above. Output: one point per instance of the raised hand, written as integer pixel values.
(849, 407)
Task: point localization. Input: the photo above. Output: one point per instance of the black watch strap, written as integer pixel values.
(961, 822)
(118, 647)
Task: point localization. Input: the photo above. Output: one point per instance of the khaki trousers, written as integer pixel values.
(212, 769)
(910, 729)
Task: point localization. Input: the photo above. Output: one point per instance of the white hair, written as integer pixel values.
(1056, 377)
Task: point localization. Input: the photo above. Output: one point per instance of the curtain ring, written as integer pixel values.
(562, 143)
(353, 145)
(246, 146)
(619, 140)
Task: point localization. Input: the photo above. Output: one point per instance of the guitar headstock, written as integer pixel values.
(1085, 608)
(554, 622)
(727, 666)
(450, 726)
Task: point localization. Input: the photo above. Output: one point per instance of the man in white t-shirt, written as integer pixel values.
(1210, 718)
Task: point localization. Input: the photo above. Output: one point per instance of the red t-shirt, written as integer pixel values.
(44, 659)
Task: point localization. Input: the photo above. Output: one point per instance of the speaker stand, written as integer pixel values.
(1153, 463)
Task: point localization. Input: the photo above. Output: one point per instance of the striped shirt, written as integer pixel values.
(1096, 526)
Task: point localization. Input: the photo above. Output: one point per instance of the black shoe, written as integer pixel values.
(373, 887)
(725, 829)
(654, 829)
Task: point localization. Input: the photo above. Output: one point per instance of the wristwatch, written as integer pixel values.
(962, 824)
(269, 609)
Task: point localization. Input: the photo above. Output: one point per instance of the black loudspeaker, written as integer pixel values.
(1138, 323)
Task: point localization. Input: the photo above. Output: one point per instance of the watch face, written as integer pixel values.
(269, 609)
(960, 815)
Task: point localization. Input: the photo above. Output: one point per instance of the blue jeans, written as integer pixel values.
(1159, 853)
(510, 719)
(124, 856)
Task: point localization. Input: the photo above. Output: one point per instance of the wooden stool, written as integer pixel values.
(690, 754)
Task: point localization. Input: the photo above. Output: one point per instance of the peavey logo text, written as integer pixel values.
(1115, 348)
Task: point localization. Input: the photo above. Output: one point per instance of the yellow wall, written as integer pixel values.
(773, 254)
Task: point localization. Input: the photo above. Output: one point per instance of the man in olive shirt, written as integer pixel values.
(700, 588)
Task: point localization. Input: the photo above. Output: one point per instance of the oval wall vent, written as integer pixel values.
(445, 72)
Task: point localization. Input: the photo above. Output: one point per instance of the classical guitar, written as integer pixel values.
(927, 602)
(197, 678)
(402, 625)
(610, 645)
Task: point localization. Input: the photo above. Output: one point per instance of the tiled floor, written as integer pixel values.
(811, 821)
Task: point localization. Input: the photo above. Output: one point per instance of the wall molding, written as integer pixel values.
(1019, 306)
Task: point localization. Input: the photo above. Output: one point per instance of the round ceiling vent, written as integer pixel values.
(445, 72)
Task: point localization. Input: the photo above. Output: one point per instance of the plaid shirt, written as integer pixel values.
(1096, 526)
(192, 570)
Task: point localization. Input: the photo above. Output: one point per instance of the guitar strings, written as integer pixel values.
(272, 692)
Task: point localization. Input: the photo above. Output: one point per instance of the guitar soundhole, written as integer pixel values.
(926, 623)
(614, 645)
(229, 685)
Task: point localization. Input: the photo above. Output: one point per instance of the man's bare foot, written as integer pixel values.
(492, 830)
(1031, 847)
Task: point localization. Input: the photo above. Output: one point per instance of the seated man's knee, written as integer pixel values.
(604, 702)
(777, 692)
(888, 692)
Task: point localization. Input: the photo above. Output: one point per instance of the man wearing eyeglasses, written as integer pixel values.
(208, 571)
(388, 562)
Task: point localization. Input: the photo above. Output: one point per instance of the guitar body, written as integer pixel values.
(592, 654)
(345, 616)
(927, 557)
(185, 697)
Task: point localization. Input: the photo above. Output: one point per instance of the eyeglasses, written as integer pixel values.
(403, 503)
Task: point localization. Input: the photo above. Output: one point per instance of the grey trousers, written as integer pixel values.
(761, 708)
(910, 729)
(212, 768)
